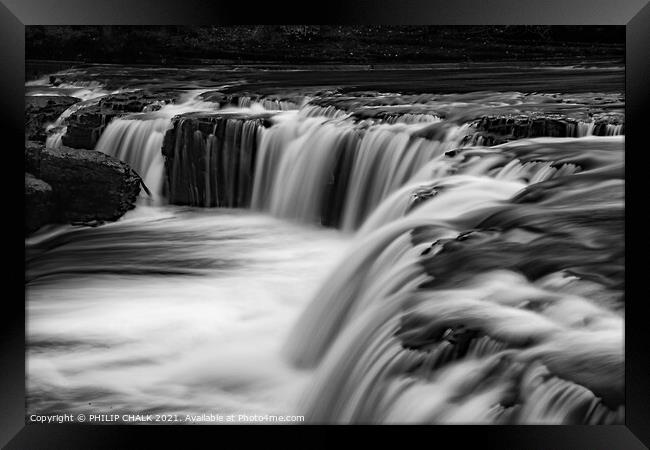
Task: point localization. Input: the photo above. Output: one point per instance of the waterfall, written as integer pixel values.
(330, 112)
(316, 165)
(585, 129)
(414, 118)
(54, 137)
(334, 171)
(313, 164)
(138, 141)
(374, 255)
(475, 305)
(266, 103)
(55, 131)
(601, 129)
(613, 129)
(211, 162)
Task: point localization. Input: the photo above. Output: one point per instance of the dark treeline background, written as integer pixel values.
(321, 44)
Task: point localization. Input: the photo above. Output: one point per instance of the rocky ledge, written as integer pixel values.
(41, 110)
(494, 130)
(86, 125)
(76, 186)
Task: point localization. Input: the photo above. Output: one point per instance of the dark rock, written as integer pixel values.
(493, 130)
(130, 102)
(39, 204)
(423, 194)
(210, 158)
(225, 99)
(219, 97)
(41, 110)
(86, 125)
(88, 185)
(485, 139)
(522, 127)
(33, 152)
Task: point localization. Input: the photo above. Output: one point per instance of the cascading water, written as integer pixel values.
(58, 129)
(84, 90)
(614, 129)
(414, 118)
(330, 112)
(211, 171)
(137, 139)
(482, 284)
(448, 315)
(585, 129)
(266, 103)
(335, 171)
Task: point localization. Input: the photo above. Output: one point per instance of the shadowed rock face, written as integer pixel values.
(38, 203)
(41, 110)
(498, 129)
(210, 159)
(77, 186)
(86, 125)
(33, 152)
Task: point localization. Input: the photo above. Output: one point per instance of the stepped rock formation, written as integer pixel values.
(85, 126)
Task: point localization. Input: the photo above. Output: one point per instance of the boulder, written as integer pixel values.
(41, 110)
(88, 186)
(33, 152)
(39, 205)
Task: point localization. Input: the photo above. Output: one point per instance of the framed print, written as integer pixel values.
(378, 219)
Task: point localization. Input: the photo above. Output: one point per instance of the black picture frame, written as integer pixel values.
(633, 14)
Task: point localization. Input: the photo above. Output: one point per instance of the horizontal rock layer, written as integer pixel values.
(85, 126)
(496, 130)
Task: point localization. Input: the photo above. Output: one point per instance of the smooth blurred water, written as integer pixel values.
(172, 310)
(472, 284)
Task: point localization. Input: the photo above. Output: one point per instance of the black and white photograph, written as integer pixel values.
(325, 224)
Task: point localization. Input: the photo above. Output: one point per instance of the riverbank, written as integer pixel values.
(165, 45)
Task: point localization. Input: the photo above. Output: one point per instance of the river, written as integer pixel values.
(386, 262)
